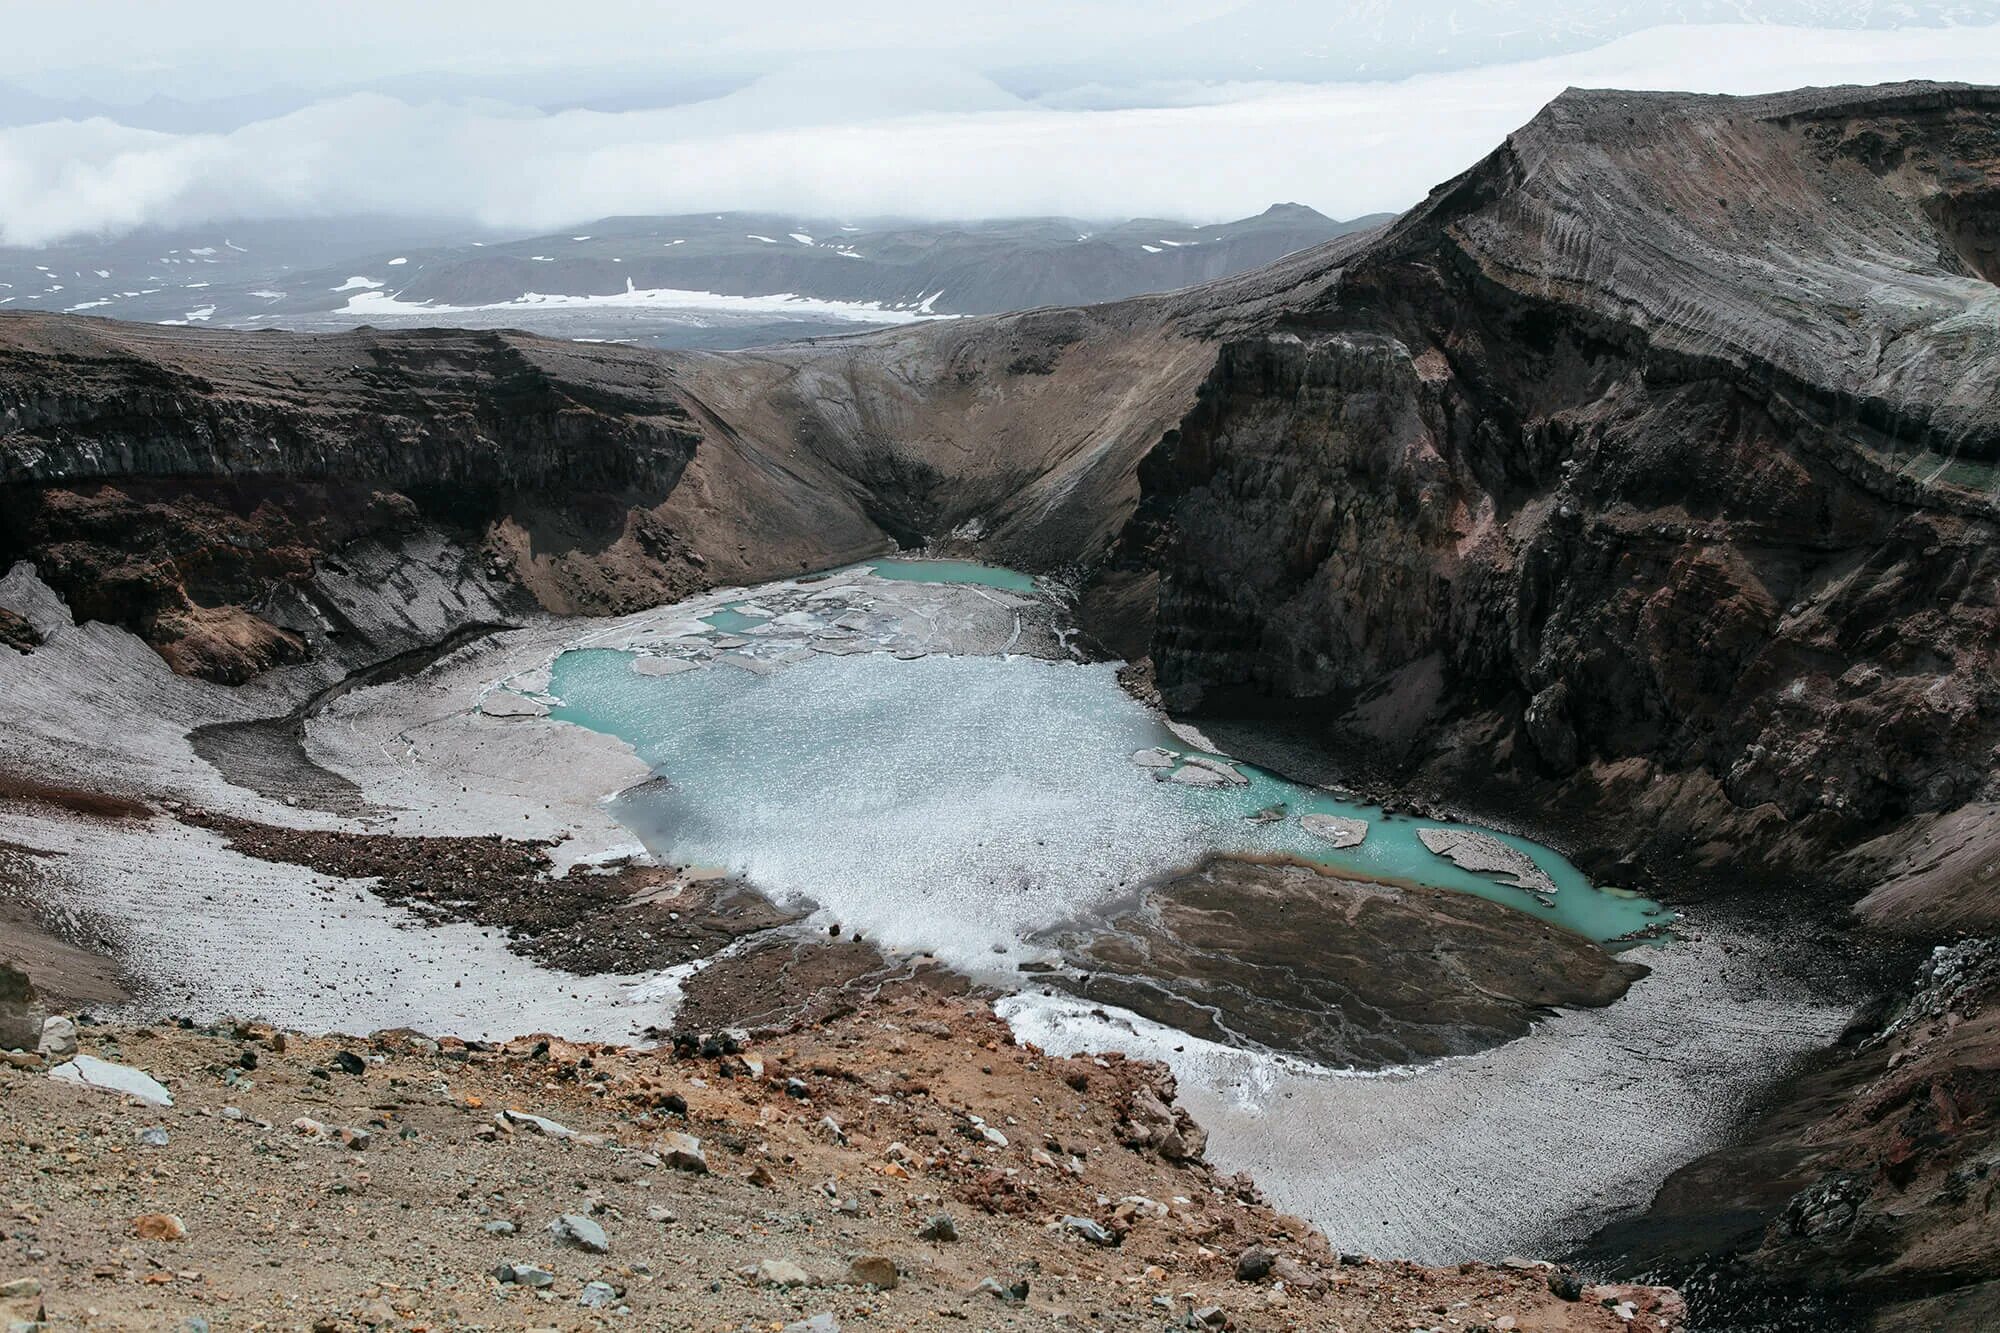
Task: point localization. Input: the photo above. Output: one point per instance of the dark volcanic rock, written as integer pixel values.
(1869, 1182)
(1651, 472)
(17, 633)
(20, 1011)
(586, 921)
(183, 485)
(784, 980)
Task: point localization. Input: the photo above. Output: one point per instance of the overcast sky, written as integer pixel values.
(524, 114)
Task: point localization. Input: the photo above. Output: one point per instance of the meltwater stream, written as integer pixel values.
(924, 763)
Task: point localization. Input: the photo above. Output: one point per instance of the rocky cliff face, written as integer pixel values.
(1649, 463)
(191, 484)
(183, 484)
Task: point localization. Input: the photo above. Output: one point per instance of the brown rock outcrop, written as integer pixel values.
(1645, 457)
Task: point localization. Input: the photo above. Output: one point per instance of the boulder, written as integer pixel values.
(682, 1152)
(1255, 1264)
(159, 1226)
(574, 1229)
(873, 1270)
(58, 1037)
(1091, 1231)
(596, 1295)
(780, 1273)
(106, 1076)
(20, 1011)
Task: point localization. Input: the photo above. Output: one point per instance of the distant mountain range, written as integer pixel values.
(708, 280)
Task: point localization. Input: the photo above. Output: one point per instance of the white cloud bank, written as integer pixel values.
(836, 140)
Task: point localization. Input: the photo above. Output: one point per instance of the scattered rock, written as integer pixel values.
(159, 1226)
(1565, 1285)
(152, 1137)
(105, 1076)
(780, 1273)
(873, 1270)
(830, 1130)
(1091, 1231)
(729, 1041)
(682, 1152)
(940, 1228)
(350, 1063)
(819, 1323)
(1014, 1293)
(20, 1011)
(987, 1132)
(1153, 1121)
(1210, 1316)
(20, 1289)
(579, 1231)
(596, 1295)
(525, 1275)
(58, 1037)
(1254, 1264)
(537, 1124)
(499, 1226)
(1827, 1208)
(1296, 1276)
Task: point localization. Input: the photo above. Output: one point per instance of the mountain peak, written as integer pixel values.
(1294, 213)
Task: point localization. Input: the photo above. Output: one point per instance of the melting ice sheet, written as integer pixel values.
(957, 804)
(1527, 1147)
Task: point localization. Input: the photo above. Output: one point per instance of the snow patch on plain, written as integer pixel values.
(376, 304)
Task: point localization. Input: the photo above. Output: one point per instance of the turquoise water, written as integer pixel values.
(951, 571)
(959, 804)
(732, 621)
